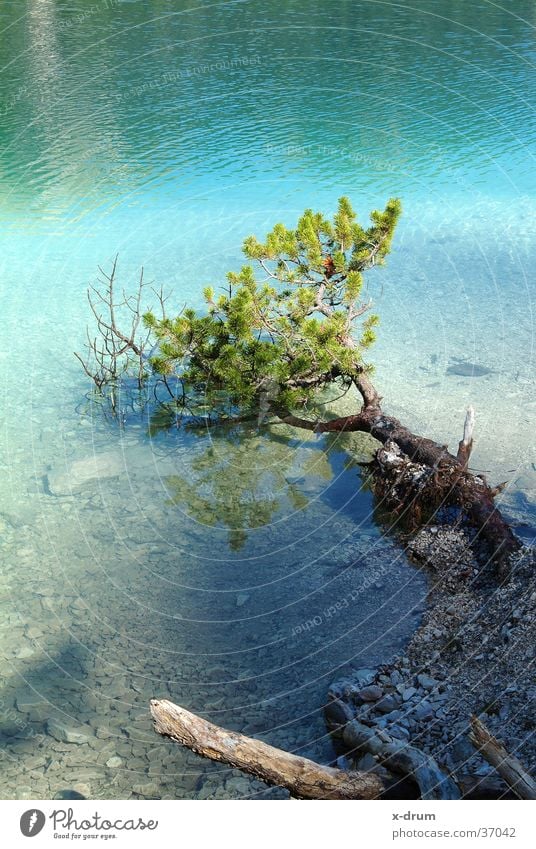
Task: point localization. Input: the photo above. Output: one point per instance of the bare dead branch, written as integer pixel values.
(117, 347)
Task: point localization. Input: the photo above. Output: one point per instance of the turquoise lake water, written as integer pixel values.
(166, 132)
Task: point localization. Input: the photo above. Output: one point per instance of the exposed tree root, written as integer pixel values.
(417, 476)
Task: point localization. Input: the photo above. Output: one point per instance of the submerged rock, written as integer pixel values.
(25, 652)
(337, 713)
(82, 473)
(149, 789)
(63, 734)
(371, 693)
(364, 676)
(426, 681)
(388, 704)
(408, 693)
(464, 368)
(34, 704)
(69, 794)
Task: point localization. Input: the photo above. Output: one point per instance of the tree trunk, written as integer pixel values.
(304, 779)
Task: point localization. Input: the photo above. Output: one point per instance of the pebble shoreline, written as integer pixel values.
(472, 654)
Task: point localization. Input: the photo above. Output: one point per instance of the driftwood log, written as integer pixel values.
(508, 766)
(304, 778)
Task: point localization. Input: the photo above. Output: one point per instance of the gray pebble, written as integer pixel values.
(371, 693)
(427, 681)
(387, 704)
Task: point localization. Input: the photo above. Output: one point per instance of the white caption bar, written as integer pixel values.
(267, 824)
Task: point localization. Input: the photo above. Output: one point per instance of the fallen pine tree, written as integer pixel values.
(289, 331)
(275, 341)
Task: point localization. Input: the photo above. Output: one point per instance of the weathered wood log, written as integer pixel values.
(304, 778)
(470, 492)
(507, 765)
(401, 758)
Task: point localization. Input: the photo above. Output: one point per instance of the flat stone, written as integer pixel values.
(63, 734)
(114, 763)
(239, 785)
(24, 792)
(393, 716)
(156, 754)
(22, 745)
(241, 599)
(103, 733)
(29, 702)
(364, 676)
(357, 736)
(464, 368)
(371, 693)
(440, 697)
(399, 732)
(427, 682)
(148, 789)
(25, 652)
(408, 693)
(82, 473)
(108, 751)
(424, 710)
(387, 704)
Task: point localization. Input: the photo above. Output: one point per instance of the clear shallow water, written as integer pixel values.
(168, 132)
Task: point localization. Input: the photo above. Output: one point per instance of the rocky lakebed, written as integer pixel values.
(473, 654)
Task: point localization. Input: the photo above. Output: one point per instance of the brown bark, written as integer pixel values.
(508, 766)
(304, 778)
